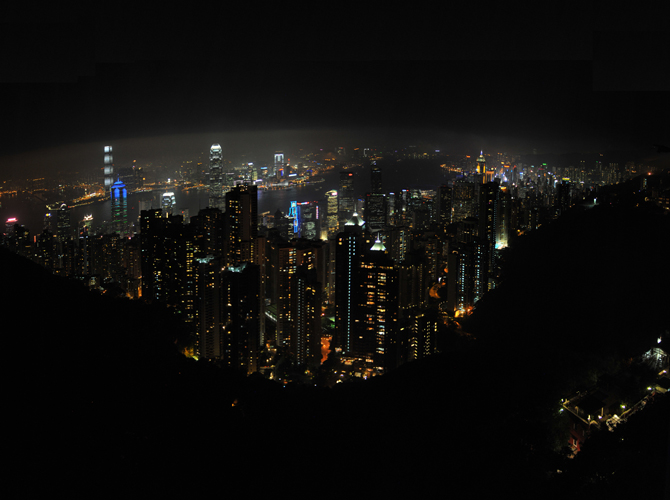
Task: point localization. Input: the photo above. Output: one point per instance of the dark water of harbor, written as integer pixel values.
(424, 174)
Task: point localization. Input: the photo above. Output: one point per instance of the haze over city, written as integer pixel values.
(351, 257)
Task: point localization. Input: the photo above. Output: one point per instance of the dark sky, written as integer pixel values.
(509, 87)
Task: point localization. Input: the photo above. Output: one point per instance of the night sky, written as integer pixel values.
(457, 86)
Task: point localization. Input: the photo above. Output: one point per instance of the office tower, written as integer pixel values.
(168, 202)
(66, 260)
(348, 253)
(467, 264)
(240, 294)
(481, 163)
(444, 194)
(108, 168)
(376, 180)
(307, 220)
(241, 224)
(487, 212)
(422, 215)
(216, 177)
(63, 223)
(65, 256)
(375, 211)
(208, 318)
(48, 219)
(503, 218)
(397, 241)
(10, 224)
(278, 169)
(463, 199)
(375, 311)
(119, 199)
(391, 210)
(331, 210)
(345, 198)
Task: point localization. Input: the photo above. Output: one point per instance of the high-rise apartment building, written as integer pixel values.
(208, 291)
(444, 194)
(240, 294)
(463, 200)
(241, 224)
(300, 272)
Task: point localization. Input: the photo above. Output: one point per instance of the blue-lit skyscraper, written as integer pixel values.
(119, 197)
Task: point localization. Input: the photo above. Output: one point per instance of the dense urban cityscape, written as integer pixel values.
(349, 285)
(368, 276)
(258, 275)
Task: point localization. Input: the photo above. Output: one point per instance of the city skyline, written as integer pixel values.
(487, 322)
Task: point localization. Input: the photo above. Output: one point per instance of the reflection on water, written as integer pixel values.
(395, 176)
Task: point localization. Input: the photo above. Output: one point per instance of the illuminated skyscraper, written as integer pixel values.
(108, 169)
(463, 200)
(63, 223)
(348, 254)
(240, 299)
(331, 200)
(208, 290)
(377, 314)
(167, 204)
(503, 218)
(375, 211)
(308, 220)
(119, 198)
(481, 163)
(445, 205)
(216, 177)
(345, 198)
(278, 164)
(299, 274)
(241, 224)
